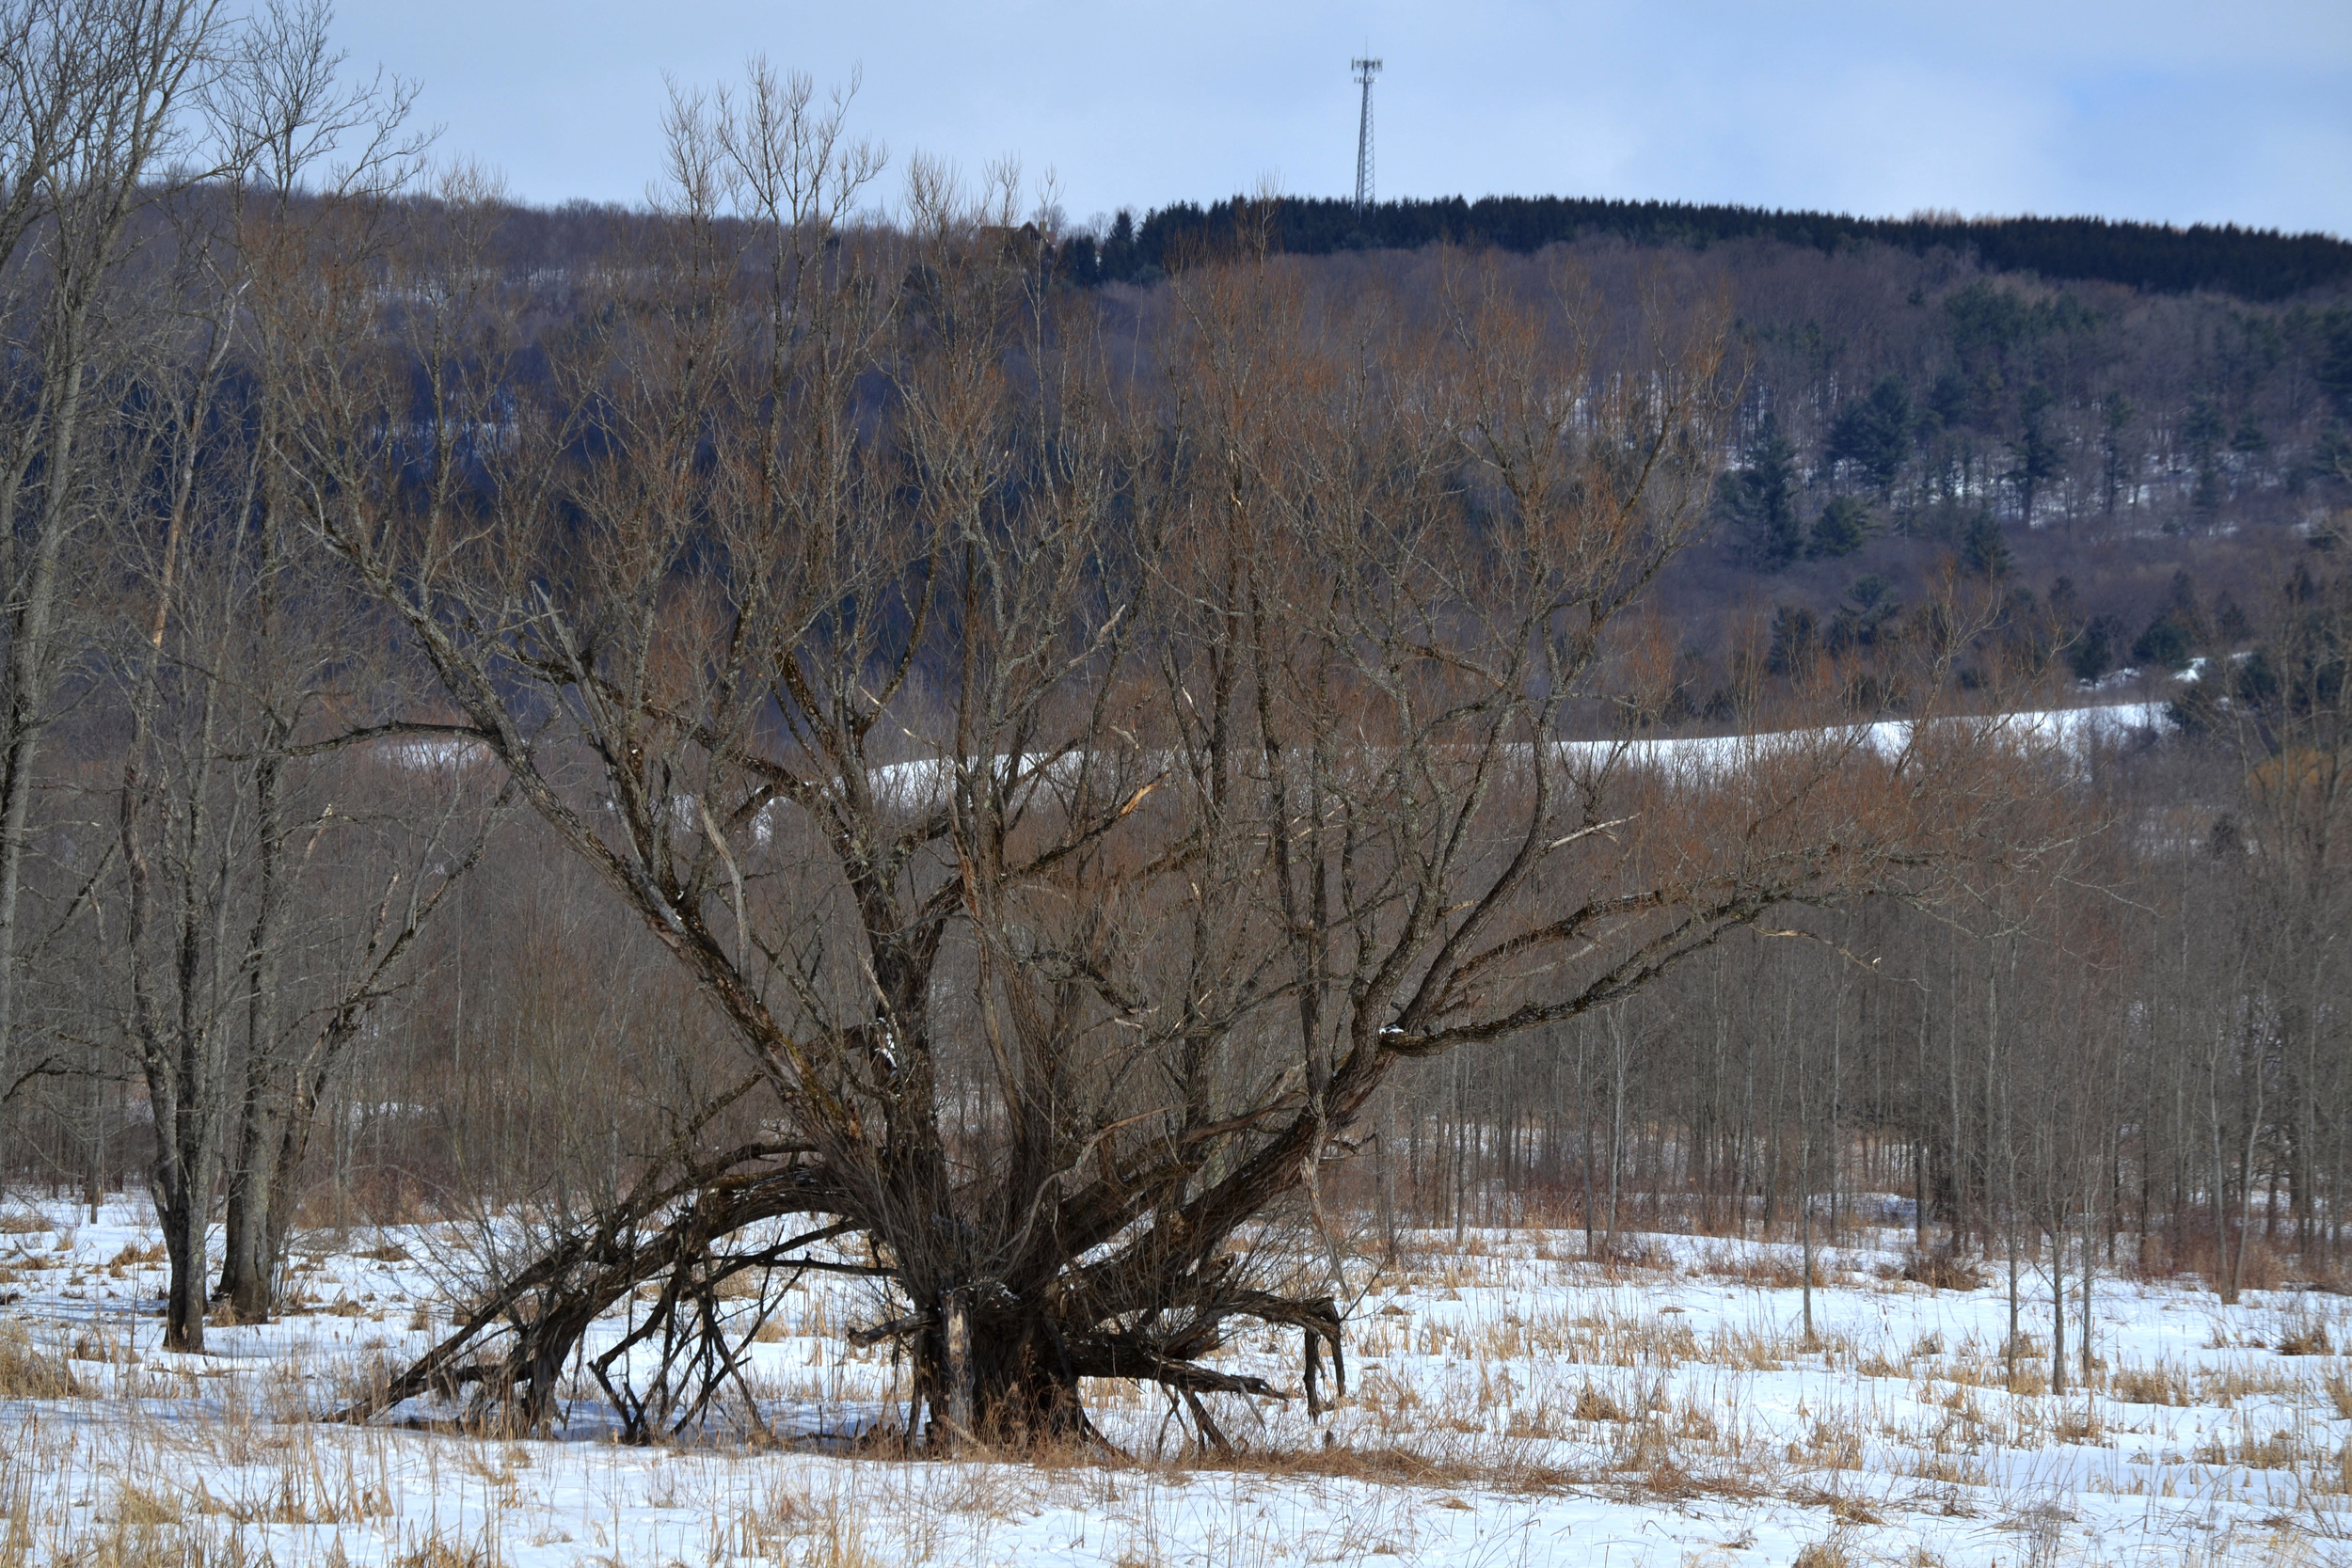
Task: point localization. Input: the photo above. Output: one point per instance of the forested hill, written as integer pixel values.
(2251, 263)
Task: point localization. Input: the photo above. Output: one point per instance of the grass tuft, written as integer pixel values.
(29, 1372)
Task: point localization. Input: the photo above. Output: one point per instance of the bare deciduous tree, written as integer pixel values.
(91, 113)
(1080, 764)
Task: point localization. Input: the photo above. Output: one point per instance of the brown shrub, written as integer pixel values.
(1765, 1269)
(1943, 1271)
(2189, 1248)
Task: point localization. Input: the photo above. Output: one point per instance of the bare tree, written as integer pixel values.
(280, 99)
(91, 111)
(1078, 781)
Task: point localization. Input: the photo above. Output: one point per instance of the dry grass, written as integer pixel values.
(1503, 1467)
(2275, 1449)
(439, 1550)
(29, 1372)
(1765, 1269)
(2191, 1251)
(2308, 1338)
(2080, 1424)
(1594, 1404)
(1829, 1553)
(2162, 1383)
(1943, 1271)
(2233, 1382)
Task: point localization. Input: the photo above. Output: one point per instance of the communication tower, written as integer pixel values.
(1364, 71)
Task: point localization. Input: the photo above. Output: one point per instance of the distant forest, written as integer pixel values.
(2134, 432)
(2138, 464)
(2251, 263)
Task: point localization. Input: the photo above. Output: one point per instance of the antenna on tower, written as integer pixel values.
(1365, 71)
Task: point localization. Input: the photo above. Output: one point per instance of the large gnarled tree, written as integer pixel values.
(1081, 749)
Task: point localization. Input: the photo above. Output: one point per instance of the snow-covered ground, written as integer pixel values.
(1509, 1404)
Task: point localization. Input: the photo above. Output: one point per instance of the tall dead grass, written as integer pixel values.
(28, 1372)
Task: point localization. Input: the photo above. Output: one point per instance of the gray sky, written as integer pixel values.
(2231, 110)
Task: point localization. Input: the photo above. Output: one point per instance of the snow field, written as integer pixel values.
(1510, 1402)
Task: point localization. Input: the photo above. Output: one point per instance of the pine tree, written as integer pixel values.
(1983, 549)
(2335, 362)
(2037, 452)
(1874, 434)
(1119, 259)
(2116, 461)
(1796, 638)
(1841, 528)
(2202, 433)
(1760, 501)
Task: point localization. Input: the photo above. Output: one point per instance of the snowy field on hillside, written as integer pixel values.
(1509, 1404)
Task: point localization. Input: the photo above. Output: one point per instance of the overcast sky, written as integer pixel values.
(2228, 110)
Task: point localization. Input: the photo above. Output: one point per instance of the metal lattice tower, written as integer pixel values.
(1365, 71)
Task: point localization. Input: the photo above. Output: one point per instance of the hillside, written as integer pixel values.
(2250, 263)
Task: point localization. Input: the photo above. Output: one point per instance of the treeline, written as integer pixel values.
(2251, 263)
(2130, 470)
(1906, 415)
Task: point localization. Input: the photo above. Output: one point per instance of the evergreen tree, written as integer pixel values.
(2182, 609)
(2231, 626)
(1983, 549)
(2165, 644)
(1950, 401)
(1796, 638)
(2252, 264)
(2095, 645)
(2037, 452)
(2202, 433)
(2116, 414)
(2335, 361)
(1120, 260)
(1840, 529)
(2064, 601)
(1078, 263)
(1760, 501)
(1867, 614)
(1874, 434)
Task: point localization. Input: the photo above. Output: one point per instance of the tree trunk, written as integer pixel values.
(2082, 1307)
(955, 1370)
(1919, 1197)
(2058, 1306)
(247, 1270)
(182, 1221)
(1000, 1376)
(1804, 1226)
(2009, 1347)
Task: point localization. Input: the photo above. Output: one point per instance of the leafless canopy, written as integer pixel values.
(1081, 749)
